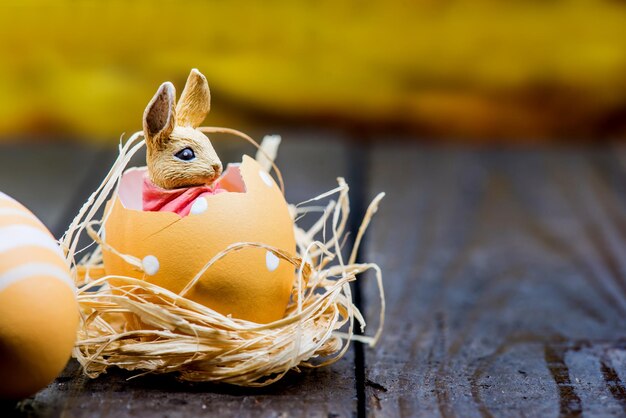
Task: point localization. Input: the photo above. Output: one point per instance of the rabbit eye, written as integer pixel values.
(185, 154)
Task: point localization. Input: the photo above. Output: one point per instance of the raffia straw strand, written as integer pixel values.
(215, 129)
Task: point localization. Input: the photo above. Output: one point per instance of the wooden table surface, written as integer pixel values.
(505, 277)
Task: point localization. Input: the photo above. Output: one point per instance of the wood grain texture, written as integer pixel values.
(505, 281)
(310, 163)
(312, 393)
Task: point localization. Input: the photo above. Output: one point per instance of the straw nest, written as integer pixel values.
(173, 334)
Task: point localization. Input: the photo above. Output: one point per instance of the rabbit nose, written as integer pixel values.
(217, 168)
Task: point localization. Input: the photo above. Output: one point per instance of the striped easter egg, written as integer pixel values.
(38, 307)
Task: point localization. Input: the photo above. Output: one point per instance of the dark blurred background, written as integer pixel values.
(447, 70)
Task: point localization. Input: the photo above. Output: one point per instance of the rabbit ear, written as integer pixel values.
(160, 115)
(195, 101)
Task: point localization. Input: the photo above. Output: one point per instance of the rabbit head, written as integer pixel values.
(179, 155)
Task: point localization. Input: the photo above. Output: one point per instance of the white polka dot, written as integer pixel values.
(150, 265)
(271, 261)
(266, 178)
(199, 206)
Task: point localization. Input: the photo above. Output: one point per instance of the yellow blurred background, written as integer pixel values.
(465, 70)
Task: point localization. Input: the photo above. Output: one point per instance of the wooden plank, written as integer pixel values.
(310, 162)
(312, 393)
(505, 282)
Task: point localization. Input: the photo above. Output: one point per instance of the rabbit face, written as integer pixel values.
(186, 159)
(178, 154)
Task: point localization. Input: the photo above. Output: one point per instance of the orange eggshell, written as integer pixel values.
(38, 308)
(251, 284)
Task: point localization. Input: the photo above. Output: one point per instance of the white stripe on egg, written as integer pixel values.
(15, 236)
(17, 212)
(26, 271)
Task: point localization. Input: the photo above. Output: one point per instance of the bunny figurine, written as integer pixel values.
(182, 164)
